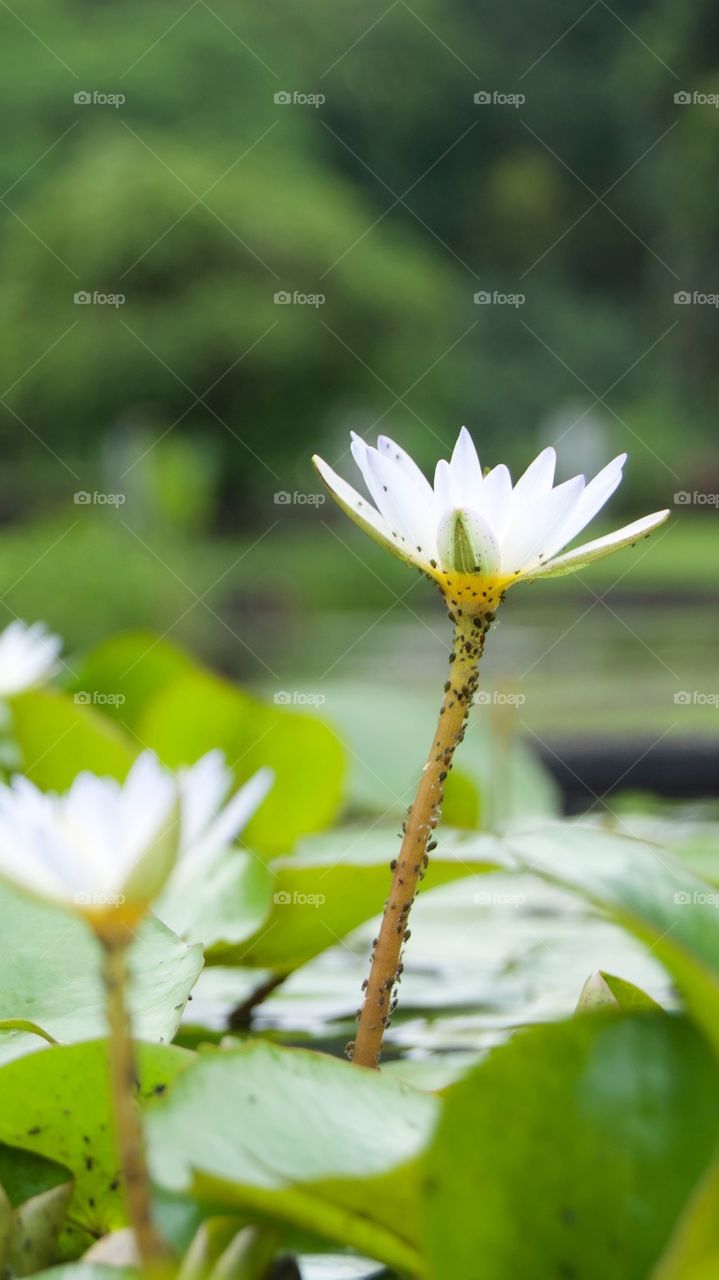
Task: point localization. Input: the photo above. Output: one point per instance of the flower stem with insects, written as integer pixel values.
(410, 866)
(123, 1087)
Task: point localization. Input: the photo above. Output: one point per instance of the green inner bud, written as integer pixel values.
(464, 558)
(466, 543)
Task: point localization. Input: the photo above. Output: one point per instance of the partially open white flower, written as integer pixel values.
(28, 656)
(104, 848)
(477, 534)
(107, 849)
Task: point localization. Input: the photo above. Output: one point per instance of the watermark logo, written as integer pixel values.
(683, 498)
(283, 298)
(85, 299)
(94, 98)
(695, 698)
(296, 98)
(485, 298)
(283, 498)
(698, 897)
(83, 498)
(683, 298)
(296, 899)
(497, 898)
(99, 899)
(495, 698)
(96, 698)
(298, 698)
(685, 98)
(496, 98)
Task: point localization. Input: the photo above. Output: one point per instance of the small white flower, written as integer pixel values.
(107, 849)
(102, 847)
(28, 657)
(477, 534)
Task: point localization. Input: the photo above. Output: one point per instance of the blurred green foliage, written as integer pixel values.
(200, 197)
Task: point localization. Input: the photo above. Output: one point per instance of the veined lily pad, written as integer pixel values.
(50, 977)
(299, 1138)
(590, 1134)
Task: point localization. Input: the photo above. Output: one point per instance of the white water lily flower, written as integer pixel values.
(477, 534)
(107, 848)
(104, 848)
(28, 657)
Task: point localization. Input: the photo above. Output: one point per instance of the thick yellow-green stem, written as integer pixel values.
(123, 1085)
(411, 863)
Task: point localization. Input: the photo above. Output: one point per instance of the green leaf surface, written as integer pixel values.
(694, 1245)
(646, 890)
(225, 905)
(329, 886)
(23, 1174)
(197, 712)
(58, 737)
(123, 673)
(298, 1138)
(50, 977)
(571, 1150)
(6, 1228)
(56, 1103)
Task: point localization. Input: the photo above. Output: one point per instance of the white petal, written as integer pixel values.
(147, 799)
(399, 498)
(203, 787)
(533, 528)
(389, 449)
(447, 493)
(596, 494)
(238, 811)
(600, 547)
(536, 480)
(495, 501)
(363, 513)
(466, 469)
(221, 834)
(466, 543)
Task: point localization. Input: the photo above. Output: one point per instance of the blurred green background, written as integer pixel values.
(172, 174)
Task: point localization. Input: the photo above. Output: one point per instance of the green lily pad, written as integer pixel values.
(198, 711)
(56, 1103)
(298, 1138)
(58, 737)
(646, 890)
(571, 1150)
(329, 886)
(694, 1246)
(50, 977)
(224, 906)
(124, 672)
